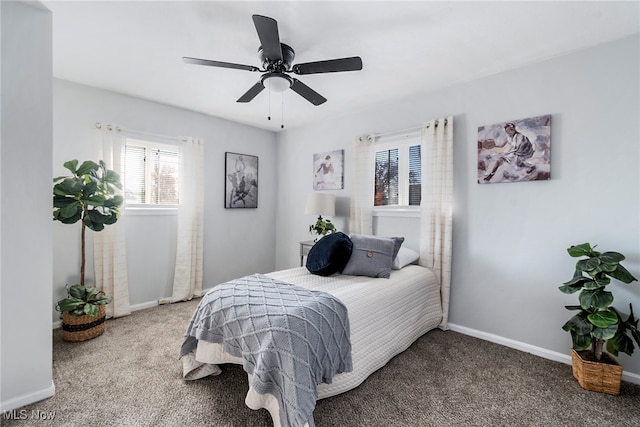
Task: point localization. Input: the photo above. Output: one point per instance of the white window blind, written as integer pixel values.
(151, 173)
(135, 190)
(415, 175)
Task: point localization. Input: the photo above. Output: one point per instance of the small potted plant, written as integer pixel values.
(89, 196)
(597, 323)
(322, 227)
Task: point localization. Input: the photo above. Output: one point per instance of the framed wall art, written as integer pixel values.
(328, 170)
(241, 181)
(519, 150)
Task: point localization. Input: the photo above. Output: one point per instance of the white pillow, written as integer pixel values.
(405, 257)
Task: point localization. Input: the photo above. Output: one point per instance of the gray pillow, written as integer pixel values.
(371, 256)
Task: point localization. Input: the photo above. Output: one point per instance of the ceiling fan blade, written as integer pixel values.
(329, 66)
(267, 29)
(198, 61)
(251, 93)
(307, 93)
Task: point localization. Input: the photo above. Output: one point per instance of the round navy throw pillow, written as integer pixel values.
(330, 254)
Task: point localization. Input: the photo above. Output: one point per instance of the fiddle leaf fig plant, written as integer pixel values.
(596, 321)
(88, 195)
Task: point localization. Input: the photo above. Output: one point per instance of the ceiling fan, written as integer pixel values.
(277, 61)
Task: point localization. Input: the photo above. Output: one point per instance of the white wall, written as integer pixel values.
(25, 197)
(233, 237)
(510, 240)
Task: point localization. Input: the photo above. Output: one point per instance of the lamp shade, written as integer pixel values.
(321, 204)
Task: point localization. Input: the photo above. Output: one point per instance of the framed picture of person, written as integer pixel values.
(328, 170)
(241, 181)
(515, 151)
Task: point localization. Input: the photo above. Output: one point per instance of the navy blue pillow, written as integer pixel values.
(330, 254)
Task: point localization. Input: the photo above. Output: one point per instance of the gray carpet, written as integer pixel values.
(131, 376)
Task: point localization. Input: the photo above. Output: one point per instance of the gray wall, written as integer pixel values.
(510, 240)
(25, 196)
(232, 236)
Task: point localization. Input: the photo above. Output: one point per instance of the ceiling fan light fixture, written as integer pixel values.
(277, 82)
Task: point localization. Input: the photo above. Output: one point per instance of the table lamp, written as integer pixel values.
(321, 204)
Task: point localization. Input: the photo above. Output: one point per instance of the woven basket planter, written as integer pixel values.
(597, 376)
(83, 328)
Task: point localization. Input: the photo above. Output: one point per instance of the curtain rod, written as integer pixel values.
(395, 132)
(407, 130)
(140, 133)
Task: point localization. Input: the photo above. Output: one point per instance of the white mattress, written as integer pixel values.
(386, 316)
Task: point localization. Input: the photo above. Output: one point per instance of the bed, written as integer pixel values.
(385, 315)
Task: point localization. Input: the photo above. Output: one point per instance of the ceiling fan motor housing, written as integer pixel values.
(275, 65)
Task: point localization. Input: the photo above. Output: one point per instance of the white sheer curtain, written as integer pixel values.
(361, 221)
(187, 281)
(436, 213)
(109, 248)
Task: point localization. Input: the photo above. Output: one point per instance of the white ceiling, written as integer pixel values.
(135, 47)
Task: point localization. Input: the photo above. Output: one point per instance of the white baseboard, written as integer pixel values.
(528, 348)
(27, 399)
(144, 305)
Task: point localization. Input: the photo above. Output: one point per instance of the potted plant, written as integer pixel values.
(89, 196)
(597, 323)
(322, 227)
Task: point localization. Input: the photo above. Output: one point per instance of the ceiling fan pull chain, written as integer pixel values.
(282, 113)
(269, 116)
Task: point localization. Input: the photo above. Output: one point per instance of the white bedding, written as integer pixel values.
(386, 316)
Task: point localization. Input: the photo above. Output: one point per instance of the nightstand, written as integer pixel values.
(304, 250)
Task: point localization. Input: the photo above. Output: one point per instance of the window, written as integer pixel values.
(151, 173)
(386, 190)
(398, 175)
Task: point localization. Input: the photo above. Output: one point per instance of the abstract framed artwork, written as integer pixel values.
(515, 151)
(328, 170)
(241, 181)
